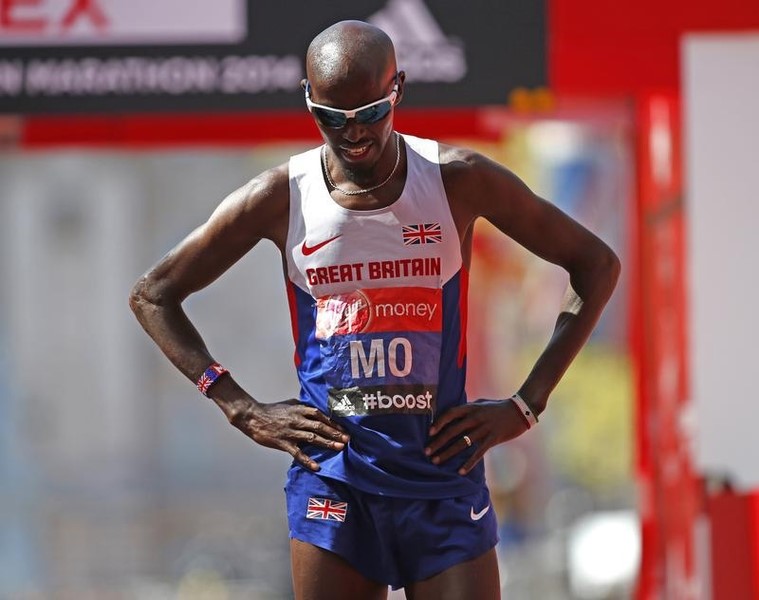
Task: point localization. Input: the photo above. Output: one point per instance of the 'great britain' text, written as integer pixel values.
(380, 269)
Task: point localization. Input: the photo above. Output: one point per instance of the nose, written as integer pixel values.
(353, 132)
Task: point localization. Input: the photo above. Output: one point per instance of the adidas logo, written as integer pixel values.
(345, 406)
(423, 50)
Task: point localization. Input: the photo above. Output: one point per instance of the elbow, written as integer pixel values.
(146, 295)
(598, 270)
(609, 268)
(152, 293)
(613, 265)
(138, 295)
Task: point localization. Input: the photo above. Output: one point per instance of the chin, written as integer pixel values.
(360, 164)
(360, 169)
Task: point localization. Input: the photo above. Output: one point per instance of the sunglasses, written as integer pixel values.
(336, 118)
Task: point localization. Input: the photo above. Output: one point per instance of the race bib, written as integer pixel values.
(380, 349)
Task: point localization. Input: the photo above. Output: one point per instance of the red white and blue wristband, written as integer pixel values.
(209, 377)
(524, 408)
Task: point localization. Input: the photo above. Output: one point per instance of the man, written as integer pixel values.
(375, 228)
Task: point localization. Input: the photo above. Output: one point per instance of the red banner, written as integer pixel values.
(670, 497)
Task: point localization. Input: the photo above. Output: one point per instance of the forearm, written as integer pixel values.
(164, 320)
(283, 425)
(573, 328)
(167, 324)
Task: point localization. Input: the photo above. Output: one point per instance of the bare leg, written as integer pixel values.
(477, 578)
(322, 575)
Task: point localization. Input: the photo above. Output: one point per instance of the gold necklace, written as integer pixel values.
(369, 189)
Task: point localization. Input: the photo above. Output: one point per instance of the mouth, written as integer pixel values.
(357, 152)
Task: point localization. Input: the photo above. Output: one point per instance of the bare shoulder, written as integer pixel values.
(257, 209)
(266, 194)
(480, 187)
(272, 186)
(476, 184)
(457, 162)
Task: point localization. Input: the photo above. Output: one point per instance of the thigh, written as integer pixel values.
(319, 574)
(434, 536)
(475, 578)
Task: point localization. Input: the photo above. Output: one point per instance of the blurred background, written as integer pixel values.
(123, 124)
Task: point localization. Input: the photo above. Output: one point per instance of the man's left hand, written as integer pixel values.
(484, 423)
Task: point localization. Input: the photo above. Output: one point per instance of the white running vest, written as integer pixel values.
(378, 307)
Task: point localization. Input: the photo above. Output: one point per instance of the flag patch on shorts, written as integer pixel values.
(326, 509)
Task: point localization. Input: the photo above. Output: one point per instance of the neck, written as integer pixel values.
(367, 181)
(368, 176)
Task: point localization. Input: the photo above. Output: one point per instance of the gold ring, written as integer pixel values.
(467, 441)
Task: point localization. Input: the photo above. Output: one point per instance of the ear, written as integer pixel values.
(401, 82)
(303, 83)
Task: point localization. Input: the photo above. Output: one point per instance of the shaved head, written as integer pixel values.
(351, 64)
(350, 51)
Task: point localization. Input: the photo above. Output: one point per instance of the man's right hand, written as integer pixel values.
(289, 425)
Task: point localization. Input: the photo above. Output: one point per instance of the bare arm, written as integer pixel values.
(257, 210)
(232, 230)
(543, 229)
(478, 187)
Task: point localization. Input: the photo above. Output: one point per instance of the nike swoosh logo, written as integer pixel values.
(476, 516)
(308, 250)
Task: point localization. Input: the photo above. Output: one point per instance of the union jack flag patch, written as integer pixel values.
(326, 509)
(424, 233)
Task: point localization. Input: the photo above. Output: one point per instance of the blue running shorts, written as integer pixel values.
(394, 541)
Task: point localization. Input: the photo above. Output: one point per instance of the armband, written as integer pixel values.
(209, 377)
(572, 303)
(528, 414)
